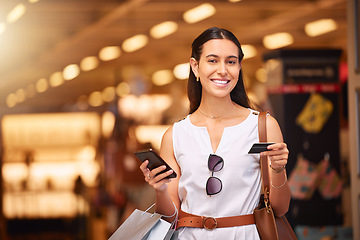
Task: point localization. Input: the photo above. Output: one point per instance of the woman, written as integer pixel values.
(216, 177)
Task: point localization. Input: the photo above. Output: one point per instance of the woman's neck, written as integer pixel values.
(216, 107)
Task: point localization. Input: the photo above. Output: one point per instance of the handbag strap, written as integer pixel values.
(263, 159)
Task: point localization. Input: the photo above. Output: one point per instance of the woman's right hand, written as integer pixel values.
(159, 182)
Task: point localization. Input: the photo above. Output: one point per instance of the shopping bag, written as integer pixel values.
(142, 225)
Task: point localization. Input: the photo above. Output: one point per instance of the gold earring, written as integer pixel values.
(197, 79)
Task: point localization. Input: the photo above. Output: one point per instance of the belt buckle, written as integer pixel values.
(210, 218)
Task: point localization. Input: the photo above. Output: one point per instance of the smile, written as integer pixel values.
(220, 82)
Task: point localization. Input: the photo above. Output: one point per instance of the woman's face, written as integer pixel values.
(218, 67)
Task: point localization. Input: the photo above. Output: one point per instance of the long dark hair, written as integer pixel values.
(194, 88)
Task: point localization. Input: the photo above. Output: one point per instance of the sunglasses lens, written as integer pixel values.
(213, 186)
(215, 163)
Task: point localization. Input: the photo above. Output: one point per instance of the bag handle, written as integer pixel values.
(264, 166)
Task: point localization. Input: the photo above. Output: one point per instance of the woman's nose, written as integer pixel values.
(222, 69)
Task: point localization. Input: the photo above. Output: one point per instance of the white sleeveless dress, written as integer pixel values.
(240, 176)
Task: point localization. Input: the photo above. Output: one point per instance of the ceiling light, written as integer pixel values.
(56, 79)
(123, 89)
(11, 100)
(16, 13)
(249, 51)
(20, 95)
(163, 29)
(181, 71)
(134, 43)
(89, 63)
(234, 1)
(320, 27)
(41, 85)
(162, 77)
(95, 99)
(199, 13)
(109, 53)
(108, 94)
(33, 1)
(71, 71)
(2, 28)
(278, 40)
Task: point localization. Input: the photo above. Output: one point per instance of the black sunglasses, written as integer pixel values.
(214, 184)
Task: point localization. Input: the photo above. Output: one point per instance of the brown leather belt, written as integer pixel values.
(210, 223)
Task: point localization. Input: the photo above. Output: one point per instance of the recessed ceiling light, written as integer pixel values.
(95, 99)
(71, 71)
(109, 53)
(249, 51)
(56, 79)
(162, 77)
(181, 71)
(41, 85)
(16, 13)
(278, 40)
(163, 29)
(89, 63)
(320, 27)
(199, 13)
(134, 43)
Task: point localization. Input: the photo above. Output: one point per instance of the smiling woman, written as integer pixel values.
(209, 150)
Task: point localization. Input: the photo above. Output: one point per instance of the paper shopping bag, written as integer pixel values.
(142, 225)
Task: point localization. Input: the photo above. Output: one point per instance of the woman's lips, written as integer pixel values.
(220, 82)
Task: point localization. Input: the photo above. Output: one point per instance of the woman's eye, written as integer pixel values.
(212, 60)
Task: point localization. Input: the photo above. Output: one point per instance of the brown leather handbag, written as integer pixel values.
(269, 226)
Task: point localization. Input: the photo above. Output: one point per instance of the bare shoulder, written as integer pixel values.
(167, 137)
(274, 133)
(166, 148)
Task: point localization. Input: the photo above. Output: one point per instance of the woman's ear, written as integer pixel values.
(194, 66)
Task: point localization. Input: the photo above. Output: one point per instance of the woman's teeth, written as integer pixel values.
(220, 81)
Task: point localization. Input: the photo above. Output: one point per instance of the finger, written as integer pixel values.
(274, 152)
(144, 165)
(158, 170)
(277, 146)
(162, 176)
(279, 157)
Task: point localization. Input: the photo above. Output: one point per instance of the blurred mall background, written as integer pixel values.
(85, 83)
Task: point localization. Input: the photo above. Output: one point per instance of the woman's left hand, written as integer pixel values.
(278, 155)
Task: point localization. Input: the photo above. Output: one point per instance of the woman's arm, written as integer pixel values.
(278, 156)
(166, 189)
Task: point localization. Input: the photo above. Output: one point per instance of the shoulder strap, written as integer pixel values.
(263, 160)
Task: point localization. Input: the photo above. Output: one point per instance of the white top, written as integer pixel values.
(240, 176)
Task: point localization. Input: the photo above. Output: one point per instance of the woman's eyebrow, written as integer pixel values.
(216, 56)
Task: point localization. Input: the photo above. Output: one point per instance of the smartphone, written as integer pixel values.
(259, 147)
(154, 161)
